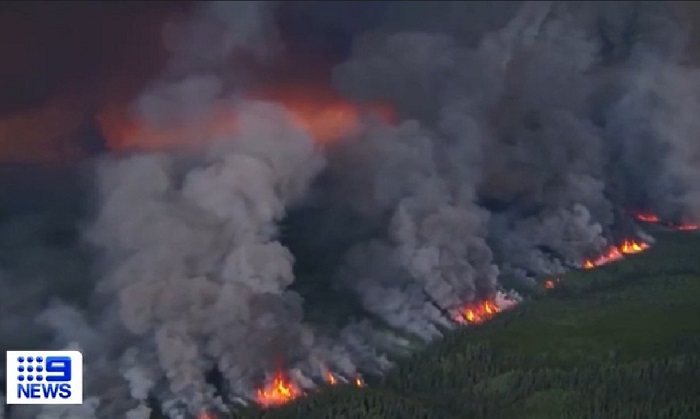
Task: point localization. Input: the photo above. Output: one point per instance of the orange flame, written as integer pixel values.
(277, 391)
(330, 378)
(632, 246)
(476, 313)
(611, 254)
(359, 382)
(615, 253)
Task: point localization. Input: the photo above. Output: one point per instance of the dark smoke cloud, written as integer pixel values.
(524, 132)
(515, 118)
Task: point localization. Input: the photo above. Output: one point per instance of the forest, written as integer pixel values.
(618, 341)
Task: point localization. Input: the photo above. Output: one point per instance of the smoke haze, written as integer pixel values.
(213, 230)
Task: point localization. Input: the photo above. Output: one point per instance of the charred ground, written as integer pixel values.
(618, 341)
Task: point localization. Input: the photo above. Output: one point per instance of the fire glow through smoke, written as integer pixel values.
(550, 283)
(323, 114)
(481, 121)
(205, 414)
(647, 217)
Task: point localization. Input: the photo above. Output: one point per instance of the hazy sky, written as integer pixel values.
(62, 62)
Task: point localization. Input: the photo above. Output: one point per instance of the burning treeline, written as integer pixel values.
(436, 161)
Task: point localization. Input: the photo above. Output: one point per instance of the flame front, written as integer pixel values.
(632, 246)
(359, 382)
(615, 253)
(475, 313)
(277, 391)
(611, 254)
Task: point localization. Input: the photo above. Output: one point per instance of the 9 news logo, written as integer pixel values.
(44, 377)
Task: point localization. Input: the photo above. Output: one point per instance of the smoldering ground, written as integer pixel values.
(523, 133)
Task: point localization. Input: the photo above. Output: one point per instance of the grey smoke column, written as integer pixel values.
(426, 176)
(192, 275)
(520, 138)
(192, 257)
(536, 125)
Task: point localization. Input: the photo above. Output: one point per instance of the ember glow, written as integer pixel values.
(646, 217)
(550, 283)
(685, 226)
(205, 414)
(476, 313)
(277, 391)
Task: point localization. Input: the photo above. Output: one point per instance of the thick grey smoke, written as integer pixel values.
(519, 143)
(192, 256)
(522, 125)
(497, 119)
(433, 256)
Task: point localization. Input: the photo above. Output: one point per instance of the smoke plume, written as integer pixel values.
(518, 147)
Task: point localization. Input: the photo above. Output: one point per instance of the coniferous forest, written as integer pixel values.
(619, 341)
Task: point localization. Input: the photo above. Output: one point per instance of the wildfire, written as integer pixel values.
(685, 226)
(475, 313)
(278, 390)
(330, 379)
(611, 254)
(647, 217)
(205, 414)
(631, 246)
(325, 115)
(550, 283)
(615, 253)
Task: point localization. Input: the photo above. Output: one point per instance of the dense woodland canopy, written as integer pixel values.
(620, 341)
